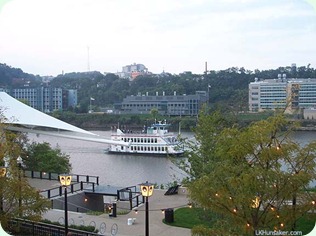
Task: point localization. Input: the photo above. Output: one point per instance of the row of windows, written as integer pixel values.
(152, 105)
(145, 148)
(273, 95)
(140, 140)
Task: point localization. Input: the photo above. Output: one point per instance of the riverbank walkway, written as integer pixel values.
(130, 224)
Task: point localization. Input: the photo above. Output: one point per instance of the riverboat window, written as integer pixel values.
(138, 140)
(141, 140)
(142, 148)
(155, 140)
(122, 147)
(138, 148)
(163, 148)
(156, 149)
(145, 148)
(132, 148)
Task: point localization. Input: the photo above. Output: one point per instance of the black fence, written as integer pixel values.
(72, 188)
(79, 182)
(55, 176)
(20, 227)
(130, 194)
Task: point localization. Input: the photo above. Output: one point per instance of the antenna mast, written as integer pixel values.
(88, 48)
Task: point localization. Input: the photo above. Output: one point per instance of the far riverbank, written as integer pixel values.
(103, 121)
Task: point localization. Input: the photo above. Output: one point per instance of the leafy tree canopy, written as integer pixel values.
(14, 187)
(42, 157)
(256, 178)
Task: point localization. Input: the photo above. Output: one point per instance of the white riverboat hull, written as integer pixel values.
(152, 140)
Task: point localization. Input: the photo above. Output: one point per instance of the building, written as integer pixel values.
(176, 105)
(45, 99)
(309, 114)
(290, 94)
(132, 71)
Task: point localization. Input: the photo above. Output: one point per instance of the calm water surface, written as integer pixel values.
(89, 158)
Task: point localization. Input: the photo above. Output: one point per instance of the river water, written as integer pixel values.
(89, 158)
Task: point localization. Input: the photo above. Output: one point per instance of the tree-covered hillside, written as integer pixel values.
(227, 88)
(10, 76)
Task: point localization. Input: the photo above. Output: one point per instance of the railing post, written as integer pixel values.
(60, 191)
(32, 174)
(92, 187)
(78, 178)
(97, 180)
(81, 185)
(130, 200)
(72, 188)
(48, 193)
(87, 178)
(50, 175)
(41, 175)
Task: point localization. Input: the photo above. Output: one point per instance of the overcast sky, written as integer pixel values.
(47, 37)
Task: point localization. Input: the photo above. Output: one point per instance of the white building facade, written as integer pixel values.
(282, 93)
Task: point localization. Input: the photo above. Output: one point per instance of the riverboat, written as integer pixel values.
(154, 139)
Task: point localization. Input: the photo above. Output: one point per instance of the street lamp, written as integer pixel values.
(146, 190)
(20, 161)
(3, 171)
(65, 180)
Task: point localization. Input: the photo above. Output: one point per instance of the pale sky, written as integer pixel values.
(46, 37)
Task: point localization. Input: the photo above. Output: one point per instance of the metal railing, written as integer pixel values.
(27, 227)
(54, 176)
(130, 194)
(81, 182)
(75, 187)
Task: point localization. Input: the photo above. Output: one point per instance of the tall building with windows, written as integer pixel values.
(45, 99)
(292, 94)
(165, 104)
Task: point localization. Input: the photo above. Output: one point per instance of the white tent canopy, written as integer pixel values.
(19, 113)
(21, 117)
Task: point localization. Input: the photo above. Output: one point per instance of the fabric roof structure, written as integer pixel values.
(19, 113)
(21, 117)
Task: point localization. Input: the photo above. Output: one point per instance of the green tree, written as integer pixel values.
(42, 157)
(256, 178)
(19, 199)
(154, 112)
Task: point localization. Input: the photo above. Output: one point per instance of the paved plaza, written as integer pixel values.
(133, 223)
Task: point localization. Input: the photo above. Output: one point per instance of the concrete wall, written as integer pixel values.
(80, 202)
(310, 114)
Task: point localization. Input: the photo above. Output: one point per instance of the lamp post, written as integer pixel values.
(20, 161)
(146, 190)
(65, 180)
(3, 171)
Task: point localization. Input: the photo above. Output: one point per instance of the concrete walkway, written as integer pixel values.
(104, 223)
